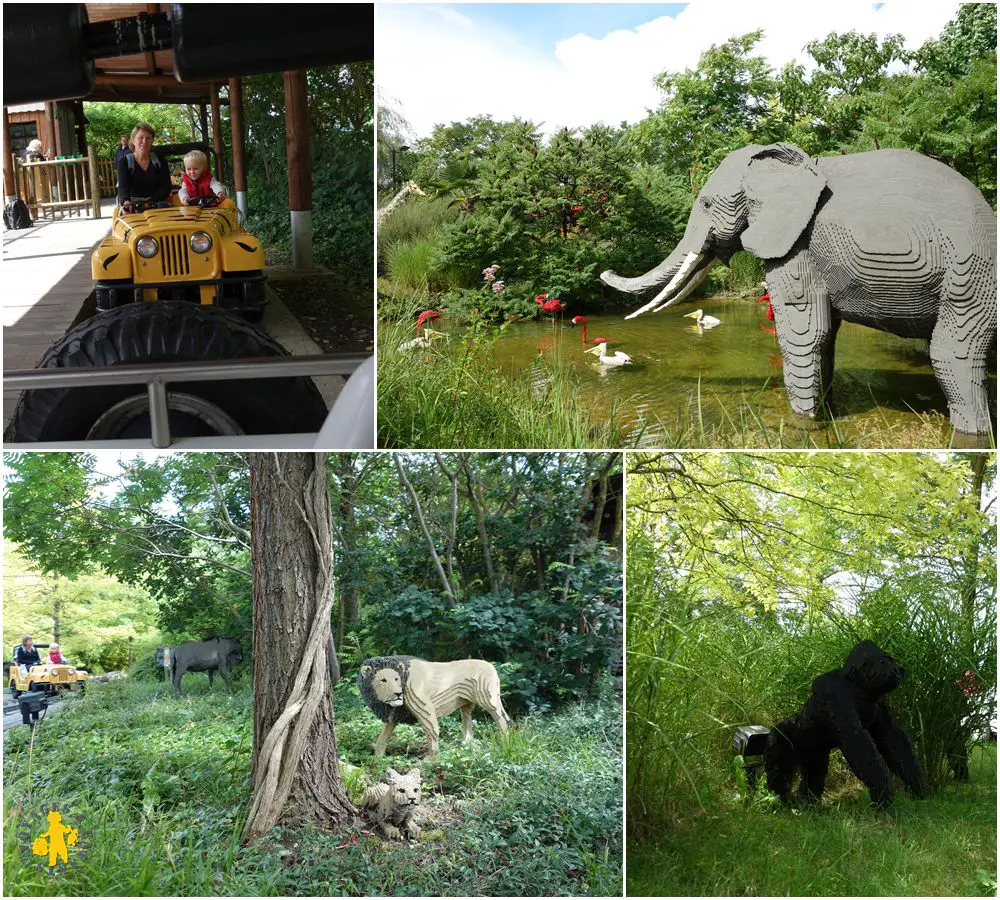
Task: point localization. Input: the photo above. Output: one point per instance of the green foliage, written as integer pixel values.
(751, 574)
(107, 122)
(99, 621)
(546, 657)
(161, 785)
(341, 113)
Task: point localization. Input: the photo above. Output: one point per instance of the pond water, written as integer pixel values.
(724, 386)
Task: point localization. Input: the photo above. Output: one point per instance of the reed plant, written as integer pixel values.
(454, 394)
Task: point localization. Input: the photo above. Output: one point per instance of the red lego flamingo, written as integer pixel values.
(582, 320)
(770, 309)
(549, 306)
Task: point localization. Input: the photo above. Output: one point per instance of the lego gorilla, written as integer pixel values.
(846, 710)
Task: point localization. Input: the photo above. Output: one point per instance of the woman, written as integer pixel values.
(143, 172)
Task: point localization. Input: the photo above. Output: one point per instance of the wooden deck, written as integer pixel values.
(46, 280)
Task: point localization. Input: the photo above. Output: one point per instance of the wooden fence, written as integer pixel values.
(60, 187)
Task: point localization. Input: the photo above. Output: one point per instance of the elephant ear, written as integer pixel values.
(782, 188)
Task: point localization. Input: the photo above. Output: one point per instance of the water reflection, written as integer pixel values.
(726, 382)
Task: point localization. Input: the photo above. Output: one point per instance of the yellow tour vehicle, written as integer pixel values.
(48, 677)
(201, 254)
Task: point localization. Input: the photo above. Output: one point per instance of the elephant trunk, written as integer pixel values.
(675, 278)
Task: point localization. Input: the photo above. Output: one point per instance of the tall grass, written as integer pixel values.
(454, 395)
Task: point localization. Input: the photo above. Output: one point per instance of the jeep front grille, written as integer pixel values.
(174, 252)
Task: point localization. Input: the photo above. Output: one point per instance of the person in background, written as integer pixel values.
(33, 152)
(122, 150)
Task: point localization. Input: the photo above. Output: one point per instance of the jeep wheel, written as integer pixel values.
(14, 692)
(157, 333)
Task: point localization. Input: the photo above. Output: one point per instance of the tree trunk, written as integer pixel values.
(295, 773)
(350, 595)
(475, 498)
(967, 599)
(56, 610)
(419, 513)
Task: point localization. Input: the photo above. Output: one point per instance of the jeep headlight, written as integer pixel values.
(146, 247)
(201, 242)
(72, 671)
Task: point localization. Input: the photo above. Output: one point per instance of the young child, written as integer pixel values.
(197, 180)
(55, 657)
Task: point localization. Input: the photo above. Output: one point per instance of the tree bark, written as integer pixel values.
(977, 464)
(477, 506)
(350, 595)
(296, 773)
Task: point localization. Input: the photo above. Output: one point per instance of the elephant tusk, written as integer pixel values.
(689, 287)
(690, 261)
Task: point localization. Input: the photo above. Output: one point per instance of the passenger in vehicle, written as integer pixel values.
(197, 180)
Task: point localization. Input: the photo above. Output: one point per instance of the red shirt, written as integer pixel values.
(55, 657)
(200, 188)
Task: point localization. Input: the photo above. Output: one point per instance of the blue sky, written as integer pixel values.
(545, 23)
(576, 64)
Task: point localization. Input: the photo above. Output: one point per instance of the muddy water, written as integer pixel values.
(724, 386)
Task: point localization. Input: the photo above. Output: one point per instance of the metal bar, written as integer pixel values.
(159, 415)
(222, 370)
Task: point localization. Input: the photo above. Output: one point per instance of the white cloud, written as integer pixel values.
(442, 66)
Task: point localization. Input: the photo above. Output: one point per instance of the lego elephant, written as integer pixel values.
(889, 239)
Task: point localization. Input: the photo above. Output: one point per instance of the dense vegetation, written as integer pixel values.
(512, 558)
(750, 574)
(155, 785)
(554, 213)
(341, 120)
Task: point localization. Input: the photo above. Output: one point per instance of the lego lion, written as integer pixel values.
(390, 804)
(410, 690)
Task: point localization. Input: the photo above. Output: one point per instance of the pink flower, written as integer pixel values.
(498, 286)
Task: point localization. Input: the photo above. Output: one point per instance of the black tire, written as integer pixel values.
(14, 692)
(165, 332)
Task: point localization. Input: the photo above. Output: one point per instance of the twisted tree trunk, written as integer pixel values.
(295, 766)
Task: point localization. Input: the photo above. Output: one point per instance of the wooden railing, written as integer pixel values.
(60, 187)
(109, 177)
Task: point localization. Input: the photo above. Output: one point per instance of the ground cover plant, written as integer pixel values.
(751, 574)
(157, 785)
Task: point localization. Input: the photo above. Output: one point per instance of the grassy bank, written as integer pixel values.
(943, 846)
(158, 788)
(454, 395)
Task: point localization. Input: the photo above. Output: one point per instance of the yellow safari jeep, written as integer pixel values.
(48, 677)
(201, 254)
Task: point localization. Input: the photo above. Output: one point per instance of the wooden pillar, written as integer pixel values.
(239, 153)
(49, 146)
(217, 132)
(299, 167)
(204, 123)
(95, 183)
(81, 129)
(9, 191)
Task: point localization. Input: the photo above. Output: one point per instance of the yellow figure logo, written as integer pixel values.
(59, 837)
